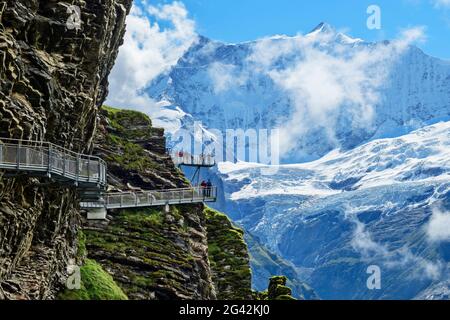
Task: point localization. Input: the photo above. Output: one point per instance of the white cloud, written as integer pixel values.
(148, 51)
(324, 78)
(438, 229)
(441, 3)
(374, 252)
(225, 76)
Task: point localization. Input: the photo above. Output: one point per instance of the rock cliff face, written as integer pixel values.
(188, 253)
(150, 254)
(53, 80)
(229, 258)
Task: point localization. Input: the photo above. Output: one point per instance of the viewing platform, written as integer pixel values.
(181, 158)
(123, 200)
(97, 209)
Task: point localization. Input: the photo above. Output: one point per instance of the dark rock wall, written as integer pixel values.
(53, 81)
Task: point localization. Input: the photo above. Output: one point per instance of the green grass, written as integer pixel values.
(96, 284)
(82, 252)
(122, 120)
(159, 245)
(111, 110)
(131, 155)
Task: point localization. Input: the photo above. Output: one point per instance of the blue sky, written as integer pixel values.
(243, 20)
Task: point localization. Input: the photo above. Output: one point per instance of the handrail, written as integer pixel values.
(53, 145)
(161, 190)
(131, 199)
(46, 157)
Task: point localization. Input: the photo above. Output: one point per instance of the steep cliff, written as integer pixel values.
(187, 253)
(229, 258)
(53, 79)
(266, 265)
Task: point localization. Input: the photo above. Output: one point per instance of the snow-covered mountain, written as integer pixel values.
(383, 203)
(365, 147)
(323, 89)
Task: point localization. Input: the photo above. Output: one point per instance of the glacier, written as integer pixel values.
(366, 161)
(336, 216)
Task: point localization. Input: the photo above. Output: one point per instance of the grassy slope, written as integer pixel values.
(96, 283)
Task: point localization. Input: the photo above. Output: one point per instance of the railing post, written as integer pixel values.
(18, 155)
(77, 168)
(100, 173)
(1, 153)
(121, 200)
(49, 159)
(64, 163)
(89, 169)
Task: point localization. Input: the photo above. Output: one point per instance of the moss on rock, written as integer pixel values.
(135, 151)
(148, 253)
(228, 256)
(129, 123)
(277, 290)
(96, 284)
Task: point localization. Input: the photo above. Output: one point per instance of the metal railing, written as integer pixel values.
(154, 198)
(37, 158)
(187, 159)
(45, 157)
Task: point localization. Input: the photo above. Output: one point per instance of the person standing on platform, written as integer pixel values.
(203, 187)
(208, 188)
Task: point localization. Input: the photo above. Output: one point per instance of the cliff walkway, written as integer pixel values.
(89, 175)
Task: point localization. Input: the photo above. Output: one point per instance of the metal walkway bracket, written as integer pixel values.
(185, 159)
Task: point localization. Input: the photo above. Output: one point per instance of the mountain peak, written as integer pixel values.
(323, 27)
(326, 29)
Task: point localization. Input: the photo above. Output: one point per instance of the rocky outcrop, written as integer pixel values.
(151, 254)
(266, 265)
(229, 258)
(53, 80)
(277, 290)
(135, 152)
